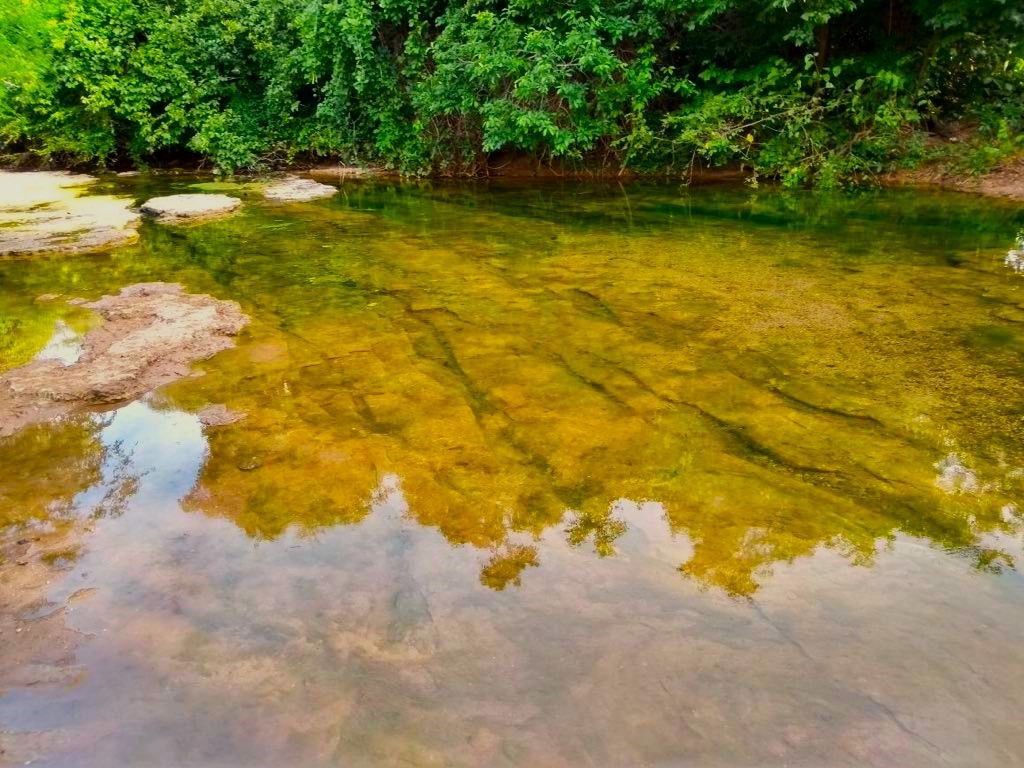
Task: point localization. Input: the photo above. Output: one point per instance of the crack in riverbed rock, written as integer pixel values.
(190, 207)
(152, 334)
(44, 211)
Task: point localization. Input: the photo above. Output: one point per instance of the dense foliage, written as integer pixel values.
(806, 90)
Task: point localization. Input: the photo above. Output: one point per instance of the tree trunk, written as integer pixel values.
(821, 35)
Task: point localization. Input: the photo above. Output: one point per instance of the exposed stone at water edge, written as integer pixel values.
(342, 172)
(294, 189)
(46, 211)
(152, 333)
(175, 208)
(1015, 259)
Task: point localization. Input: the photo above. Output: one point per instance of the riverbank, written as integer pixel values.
(1004, 181)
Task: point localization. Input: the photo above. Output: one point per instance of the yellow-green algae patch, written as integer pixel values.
(25, 334)
(45, 467)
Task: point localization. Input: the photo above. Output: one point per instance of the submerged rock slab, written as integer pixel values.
(219, 415)
(152, 333)
(45, 211)
(294, 189)
(189, 207)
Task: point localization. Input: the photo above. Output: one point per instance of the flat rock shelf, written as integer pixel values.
(150, 335)
(190, 207)
(53, 212)
(295, 189)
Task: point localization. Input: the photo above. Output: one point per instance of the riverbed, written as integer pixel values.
(541, 475)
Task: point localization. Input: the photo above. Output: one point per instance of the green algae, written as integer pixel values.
(228, 186)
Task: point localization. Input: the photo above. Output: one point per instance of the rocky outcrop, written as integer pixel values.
(294, 189)
(191, 207)
(46, 211)
(152, 333)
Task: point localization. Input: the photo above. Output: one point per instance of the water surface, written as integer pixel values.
(545, 476)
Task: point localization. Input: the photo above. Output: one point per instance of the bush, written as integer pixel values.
(807, 91)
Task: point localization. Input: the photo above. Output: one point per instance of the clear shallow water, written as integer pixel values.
(579, 475)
